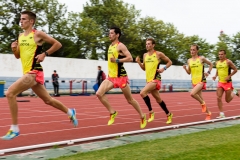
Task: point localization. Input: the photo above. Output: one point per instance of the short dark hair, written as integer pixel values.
(197, 47)
(30, 14)
(222, 50)
(117, 30)
(99, 67)
(152, 40)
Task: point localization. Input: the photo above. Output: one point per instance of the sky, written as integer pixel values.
(205, 18)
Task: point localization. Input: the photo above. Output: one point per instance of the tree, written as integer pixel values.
(205, 49)
(49, 13)
(107, 13)
(235, 57)
(224, 43)
(80, 35)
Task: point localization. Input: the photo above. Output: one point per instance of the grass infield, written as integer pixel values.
(217, 144)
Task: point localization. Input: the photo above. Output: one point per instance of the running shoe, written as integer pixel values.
(169, 118)
(204, 108)
(10, 135)
(208, 117)
(112, 118)
(143, 122)
(235, 92)
(73, 118)
(151, 117)
(220, 116)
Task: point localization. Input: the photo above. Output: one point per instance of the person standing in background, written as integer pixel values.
(55, 83)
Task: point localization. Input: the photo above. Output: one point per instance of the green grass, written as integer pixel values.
(218, 144)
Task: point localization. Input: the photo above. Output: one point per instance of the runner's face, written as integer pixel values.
(221, 55)
(149, 45)
(112, 35)
(193, 50)
(25, 22)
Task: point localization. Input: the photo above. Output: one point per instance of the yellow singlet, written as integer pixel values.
(197, 71)
(115, 69)
(223, 71)
(151, 65)
(28, 51)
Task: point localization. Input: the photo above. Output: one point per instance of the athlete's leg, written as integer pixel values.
(42, 93)
(22, 84)
(203, 104)
(156, 95)
(128, 95)
(144, 94)
(219, 93)
(105, 86)
(229, 95)
(195, 93)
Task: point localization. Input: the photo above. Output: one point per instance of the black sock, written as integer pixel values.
(164, 107)
(148, 103)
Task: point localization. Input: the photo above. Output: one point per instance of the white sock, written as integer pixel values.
(69, 113)
(14, 128)
(221, 113)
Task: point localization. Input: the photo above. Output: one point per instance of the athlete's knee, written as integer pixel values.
(9, 94)
(143, 94)
(219, 98)
(48, 101)
(130, 101)
(228, 100)
(99, 95)
(192, 94)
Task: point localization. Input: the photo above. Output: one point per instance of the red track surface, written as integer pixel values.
(40, 123)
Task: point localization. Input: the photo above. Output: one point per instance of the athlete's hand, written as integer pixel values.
(137, 59)
(184, 66)
(214, 78)
(40, 57)
(206, 75)
(14, 44)
(112, 59)
(161, 70)
(227, 78)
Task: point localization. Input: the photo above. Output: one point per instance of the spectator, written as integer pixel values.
(55, 83)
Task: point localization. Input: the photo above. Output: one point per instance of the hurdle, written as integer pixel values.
(84, 87)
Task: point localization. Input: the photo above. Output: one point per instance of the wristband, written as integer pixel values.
(46, 53)
(165, 68)
(117, 61)
(208, 72)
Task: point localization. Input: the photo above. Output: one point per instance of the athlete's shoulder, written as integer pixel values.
(228, 61)
(38, 32)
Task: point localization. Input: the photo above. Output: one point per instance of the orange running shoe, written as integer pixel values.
(204, 108)
(208, 117)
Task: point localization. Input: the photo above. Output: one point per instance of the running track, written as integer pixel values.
(40, 123)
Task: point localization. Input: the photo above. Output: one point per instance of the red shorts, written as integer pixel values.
(225, 86)
(39, 76)
(158, 83)
(204, 85)
(119, 82)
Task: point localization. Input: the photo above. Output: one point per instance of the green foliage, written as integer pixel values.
(85, 35)
(108, 13)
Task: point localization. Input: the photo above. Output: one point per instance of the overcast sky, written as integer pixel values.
(205, 18)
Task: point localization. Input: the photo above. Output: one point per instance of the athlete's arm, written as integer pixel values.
(142, 65)
(15, 49)
(204, 60)
(187, 69)
(214, 77)
(163, 57)
(43, 37)
(231, 65)
(124, 51)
